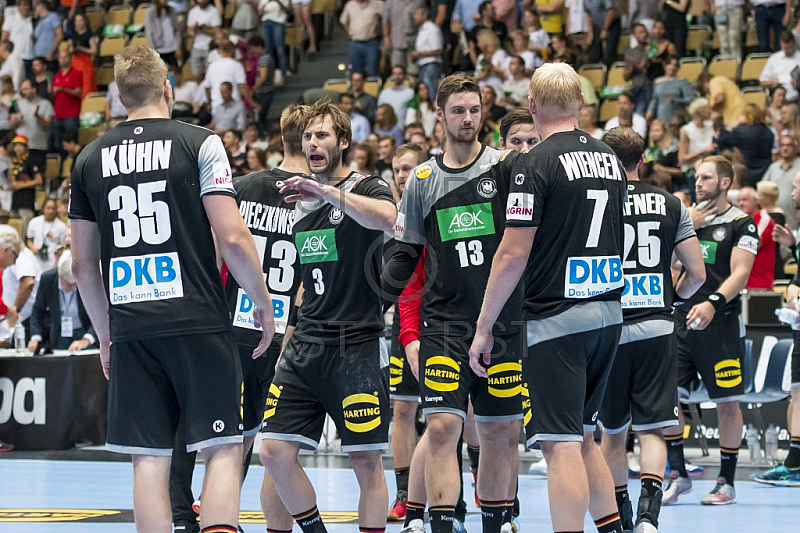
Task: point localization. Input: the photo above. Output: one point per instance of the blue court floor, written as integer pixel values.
(35, 489)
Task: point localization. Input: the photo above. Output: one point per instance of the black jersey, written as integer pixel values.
(655, 222)
(459, 216)
(729, 230)
(142, 184)
(340, 267)
(270, 221)
(571, 187)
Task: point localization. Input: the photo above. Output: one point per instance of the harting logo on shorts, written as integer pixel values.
(442, 373)
(395, 371)
(272, 400)
(527, 414)
(465, 221)
(144, 278)
(317, 246)
(362, 412)
(728, 373)
(505, 379)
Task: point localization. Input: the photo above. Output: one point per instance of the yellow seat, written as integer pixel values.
(41, 196)
(53, 166)
(373, 86)
(119, 15)
(16, 223)
(94, 103)
(751, 39)
(615, 74)
(338, 85)
(715, 41)
(691, 68)
(323, 7)
(595, 73)
(698, 36)
(623, 45)
(725, 66)
(110, 46)
(294, 37)
(95, 17)
(138, 15)
(104, 75)
(752, 66)
(87, 135)
(755, 95)
(609, 109)
(139, 38)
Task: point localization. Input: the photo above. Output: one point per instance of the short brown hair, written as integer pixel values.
(519, 115)
(340, 120)
(140, 74)
(411, 149)
(556, 87)
(293, 122)
(627, 144)
(722, 167)
(456, 84)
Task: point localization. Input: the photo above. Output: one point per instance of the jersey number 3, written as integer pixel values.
(151, 224)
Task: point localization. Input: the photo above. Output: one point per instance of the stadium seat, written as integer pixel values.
(138, 15)
(87, 135)
(615, 74)
(41, 196)
(691, 68)
(104, 75)
(53, 166)
(755, 95)
(16, 223)
(338, 85)
(698, 36)
(623, 45)
(372, 85)
(609, 109)
(110, 46)
(119, 15)
(95, 16)
(715, 41)
(294, 40)
(94, 103)
(595, 73)
(725, 66)
(751, 39)
(139, 38)
(752, 67)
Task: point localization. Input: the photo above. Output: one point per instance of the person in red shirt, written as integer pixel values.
(67, 92)
(762, 276)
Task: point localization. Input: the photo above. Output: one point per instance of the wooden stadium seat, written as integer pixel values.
(119, 15)
(139, 38)
(725, 66)
(95, 17)
(53, 167)
(138, 15)
(752, 67)
(698, 36)
(755, 95)
(87, 135)
(41, 196)
(16, 223)
(372, 85)
(94, 103)
(104, 75)
(751, 38)
(691, 68)
(338, 85)
(595, 73)
(608, 110)
(110, 46)
(624, 44)
(615, 74)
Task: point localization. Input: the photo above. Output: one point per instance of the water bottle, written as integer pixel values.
(19, 339)
(753, 444)
(788, 316)
(771, 444)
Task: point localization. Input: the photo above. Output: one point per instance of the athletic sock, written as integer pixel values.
(509, 516)
(401, 477)
(474, 456)
(651, 484)
(609, 524)
(677, 462)
(414, 511)
(310, 521)
(624, 507)
(793, 459)
(371, 529)
(221, 528)
(492, 515)
(442, 518)
(727, 464)
(650, 499)
(272, 530)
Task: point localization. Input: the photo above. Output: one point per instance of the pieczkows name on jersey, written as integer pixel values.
(591, 276)
(145, 278)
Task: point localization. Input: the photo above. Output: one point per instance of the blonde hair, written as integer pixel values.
(489, 38)
(696, 105)
(9, 239)
(769, 190)
(556, 87)
(667, 140)
(754, 114)
(140, 74)
(292, 125)
(65, 267)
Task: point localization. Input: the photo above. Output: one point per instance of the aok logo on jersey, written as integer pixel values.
(243, 317)
(316, 246)
(642, 291)
(442, 373)
(709, 249)
(728, 373)
(362, 412)
(145, 278)
(465, 221)
(591, 276)
(505, 379)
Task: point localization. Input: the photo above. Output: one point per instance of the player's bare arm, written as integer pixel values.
(690, 256)
(741, 264)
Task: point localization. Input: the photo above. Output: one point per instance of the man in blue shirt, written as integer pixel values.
(47, 35)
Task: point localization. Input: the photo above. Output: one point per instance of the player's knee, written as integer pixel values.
(498, 434)
(728, 409)
(443, 430)
(365, 462)
(404, 412)
(275, 453)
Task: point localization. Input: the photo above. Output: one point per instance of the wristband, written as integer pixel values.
(718, 301)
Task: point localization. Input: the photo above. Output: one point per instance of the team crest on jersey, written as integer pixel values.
(519, 179)
(423, 172)
(751, 228)
(487, 188)
(720, 234)
(336, 215)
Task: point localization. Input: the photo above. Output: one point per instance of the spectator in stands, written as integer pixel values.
(428, 49)
(662, 153)
(359, 123)
(789, 124)
(67, 10)
(245, 21)
(71, 146)
(35, 114)
(515, 88)
(768, 194)
(115, 112)
(587, 121)
(20, 280)
(507, 13)
(302, 17)
(12, 64)
(232, 141)
(252, 137)
(7, 108)
(627, 101)
(519, 47)
(637, 63)
(643, 12)
(779, 67)
(724, 97)
(464, 14)
(202, 22)
(696, 137)
(605, 29)
(24, 176)
(398, 29)
(256, 159)
(41, 79)
(762, 276)
(397, 94)
(85, 47)
(362, 22)
(538, 39)
(560, 50)
(18, 28)
(671, 94)
(422, 110)
(386, 150)
(386, 123)
(491, 113)
(776, 101)
(226, 68)
(274, 14)
(753, 138)
(67, 93)
(45, 233)
(551, 12)
(490, 70)
(486, 21)
(364, 158)
(47, 35)
(230, 113)
(729, 21)
(164, 32)
(782, 172)
(665, 49)
(771, 15)
(264, 84)
(675, 24)
(366, 104)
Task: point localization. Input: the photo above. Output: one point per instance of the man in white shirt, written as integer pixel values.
(202, 22)
(20, 277)
(362, 21)
(397, 95)
(626, 101)
(229, 114)
(428, 50)
(35, 115)
(12, 64)
(226, 68)
(18, 28)
(779, 67)
(515, 89)
(115, 111)
(358, 122)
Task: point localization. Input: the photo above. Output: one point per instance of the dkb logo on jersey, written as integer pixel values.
(643, 290)
(316, 246)
(144, 278)
(243, 317)
(591, 276)
(442, 373)
(272, 400)
(465, 221)
(505, 379)
(709, 249)
(362, 412)
(728, 373)
(395, 371)
(527, 414)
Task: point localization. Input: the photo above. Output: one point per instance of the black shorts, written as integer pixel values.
(448, 382)
(154, 383)
(716, 353)
(402, 383)
(567, 367)
(642, 387)
(257, 374)
(346, 383)
(796, 360)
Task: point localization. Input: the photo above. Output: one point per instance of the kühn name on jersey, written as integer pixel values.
(130, 157)
(267, 218)
(645, 204)
(584, 164)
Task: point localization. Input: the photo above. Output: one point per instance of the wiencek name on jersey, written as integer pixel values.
(585, 164)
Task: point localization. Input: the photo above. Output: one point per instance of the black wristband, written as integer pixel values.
(718, 301)
(292, 316)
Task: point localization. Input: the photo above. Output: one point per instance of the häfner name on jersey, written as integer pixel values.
(583, 164)
(130, 157)
(590, 276)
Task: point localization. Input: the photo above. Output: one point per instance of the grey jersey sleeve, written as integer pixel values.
(685, 226)
(215, 171)
(410, 225)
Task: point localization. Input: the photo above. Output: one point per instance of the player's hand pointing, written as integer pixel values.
(481, 349)
(307, 189)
